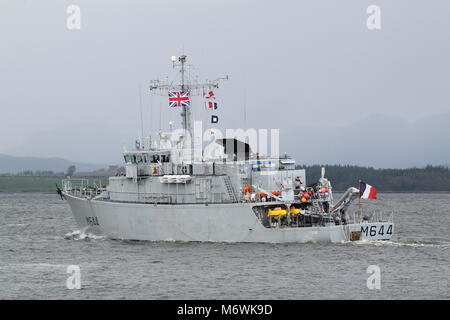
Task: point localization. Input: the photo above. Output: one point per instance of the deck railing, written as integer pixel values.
(87, 188)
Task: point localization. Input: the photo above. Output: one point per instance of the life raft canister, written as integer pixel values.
(277, 212)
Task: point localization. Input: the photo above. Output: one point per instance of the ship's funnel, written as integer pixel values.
(235, 149)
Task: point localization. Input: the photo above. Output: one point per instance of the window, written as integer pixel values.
(128, 159)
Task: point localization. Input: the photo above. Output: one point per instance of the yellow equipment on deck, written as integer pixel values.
(277, 212)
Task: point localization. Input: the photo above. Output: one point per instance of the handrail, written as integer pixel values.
(82, 187)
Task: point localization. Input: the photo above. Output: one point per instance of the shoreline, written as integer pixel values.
(335, 191)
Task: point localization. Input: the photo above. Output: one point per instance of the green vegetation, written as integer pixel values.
(429, 179)
(28, 183)
(37, 173)
(21, 183)
(46, 181)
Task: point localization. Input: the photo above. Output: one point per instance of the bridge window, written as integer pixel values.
(128, 159)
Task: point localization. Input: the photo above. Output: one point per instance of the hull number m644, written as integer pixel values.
(376, 231)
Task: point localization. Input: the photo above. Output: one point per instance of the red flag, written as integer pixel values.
(210, 95)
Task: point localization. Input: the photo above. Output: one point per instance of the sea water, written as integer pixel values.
(39, 240)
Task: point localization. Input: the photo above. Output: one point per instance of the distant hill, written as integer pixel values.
(87, 143)
(13, 164)
(378, 141)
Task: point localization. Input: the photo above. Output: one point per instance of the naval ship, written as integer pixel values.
(175, 190)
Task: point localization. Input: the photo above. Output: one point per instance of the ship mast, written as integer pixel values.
(194, 89)
(186, 112)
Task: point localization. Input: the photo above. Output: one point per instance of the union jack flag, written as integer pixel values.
(179, 99)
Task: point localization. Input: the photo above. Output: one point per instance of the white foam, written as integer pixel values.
(81, 235)
(400, 244)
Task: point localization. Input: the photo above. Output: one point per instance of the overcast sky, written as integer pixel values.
(290, 62)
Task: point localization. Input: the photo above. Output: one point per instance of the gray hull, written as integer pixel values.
(234, 222)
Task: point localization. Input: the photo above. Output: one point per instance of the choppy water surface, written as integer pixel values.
(38, 240)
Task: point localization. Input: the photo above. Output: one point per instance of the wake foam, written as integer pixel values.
(82, 235)
(402, 244)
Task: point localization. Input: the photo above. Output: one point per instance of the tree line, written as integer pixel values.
(70, 172)
(42, 173)
(35, 173)
(431, 178)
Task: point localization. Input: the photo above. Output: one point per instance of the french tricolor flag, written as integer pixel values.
(366, 191)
